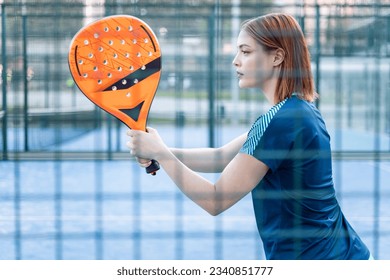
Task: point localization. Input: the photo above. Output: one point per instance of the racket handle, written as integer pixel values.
(153, 167)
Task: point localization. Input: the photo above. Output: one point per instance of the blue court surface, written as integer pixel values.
(111, 209)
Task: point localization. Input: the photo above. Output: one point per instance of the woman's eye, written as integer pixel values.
(245, 52)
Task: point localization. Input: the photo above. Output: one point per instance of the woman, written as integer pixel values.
(284, 160)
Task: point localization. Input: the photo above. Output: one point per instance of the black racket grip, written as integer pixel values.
(153, 167)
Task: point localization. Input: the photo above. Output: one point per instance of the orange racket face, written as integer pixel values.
(116, 63)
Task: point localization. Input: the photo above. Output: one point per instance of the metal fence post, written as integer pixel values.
(4, 81)
(211, 79)
(25, 79)
(379, 37)
(317, 52)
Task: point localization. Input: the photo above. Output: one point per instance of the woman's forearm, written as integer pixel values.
(225, 192)
(209, 160)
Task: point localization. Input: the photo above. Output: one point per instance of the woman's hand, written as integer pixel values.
(146, 145)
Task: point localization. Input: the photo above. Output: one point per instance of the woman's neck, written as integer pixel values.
(269, 90)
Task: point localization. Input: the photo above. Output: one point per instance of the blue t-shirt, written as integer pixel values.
(297, 213)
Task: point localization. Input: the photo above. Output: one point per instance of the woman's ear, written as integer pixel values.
(278, 57)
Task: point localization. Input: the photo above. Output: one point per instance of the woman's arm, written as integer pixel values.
(209, 160)
(239, 177)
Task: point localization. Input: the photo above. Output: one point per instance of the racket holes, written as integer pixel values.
(134, 41)
(99, 82)
(124, 82)
(118, 28)
(123, 42)
(135, 81)
(130, 28)
(95, 68)
(81, 61)
(105, 62)
(110, 42)
(115, 55)
(119, 69)
(96, 35)
(85, 75)
(86, 42)
(127, 55)
(138, 54)
(150, 53)
(90, 55)
(114, 88)
(131, 68)
(128, 94)
(146, 40)
(106, 29)
(100, 49)
(109, 75)
(143, 67)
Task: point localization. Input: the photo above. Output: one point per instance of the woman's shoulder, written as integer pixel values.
(287, 115)
(296, 109)
(295, 113)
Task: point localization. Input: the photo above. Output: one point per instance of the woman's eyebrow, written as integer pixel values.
(243, 45)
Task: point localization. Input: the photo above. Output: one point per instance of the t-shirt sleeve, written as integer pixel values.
(270, 143)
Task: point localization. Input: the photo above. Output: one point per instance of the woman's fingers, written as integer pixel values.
(144, 162)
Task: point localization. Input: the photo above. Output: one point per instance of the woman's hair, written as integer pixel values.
(282, 31)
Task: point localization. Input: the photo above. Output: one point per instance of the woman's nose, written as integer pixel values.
(235, 61)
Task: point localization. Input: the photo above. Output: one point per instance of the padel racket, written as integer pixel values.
(116, 63)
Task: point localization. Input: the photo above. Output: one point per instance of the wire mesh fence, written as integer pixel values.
(68, 187)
